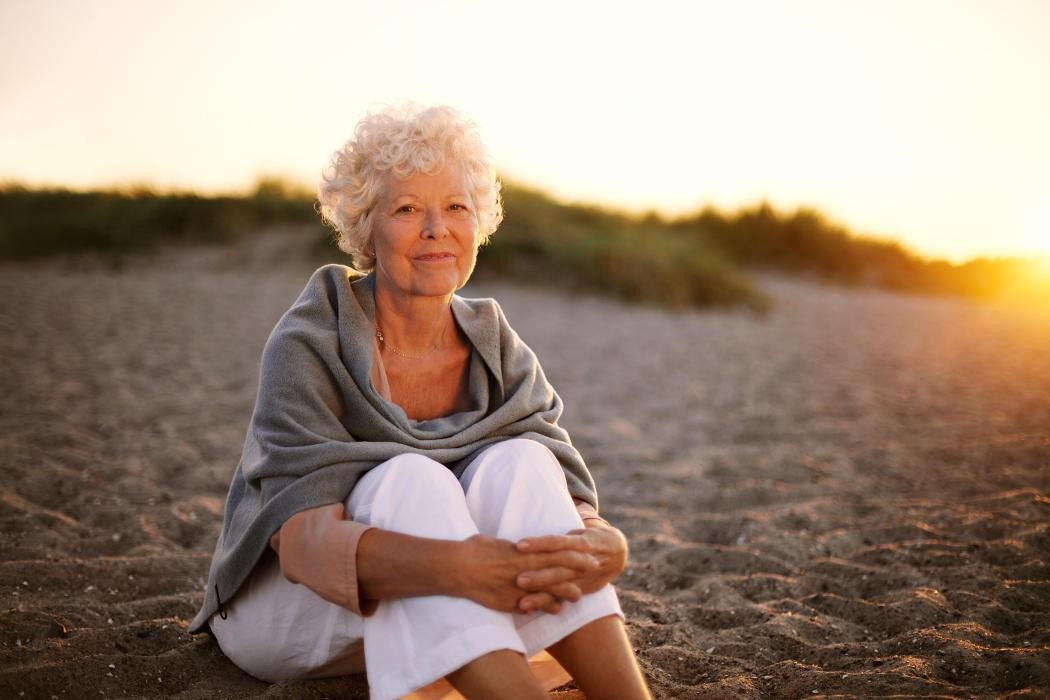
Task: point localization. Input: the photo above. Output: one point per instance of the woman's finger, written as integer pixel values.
(539, 601)
(566, 591)
(551, 599)
(553, 543)
(568, 559)
(543, 579)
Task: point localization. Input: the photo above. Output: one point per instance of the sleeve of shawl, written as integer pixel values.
(334, 577)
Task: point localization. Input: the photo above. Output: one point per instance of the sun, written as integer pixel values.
(1036, 232)
(1039, 266)
(1030, 284)
(1038, 241)
(1033, 280)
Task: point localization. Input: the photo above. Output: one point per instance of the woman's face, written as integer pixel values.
(425, 234)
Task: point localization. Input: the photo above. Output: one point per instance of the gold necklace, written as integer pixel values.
(391, 348)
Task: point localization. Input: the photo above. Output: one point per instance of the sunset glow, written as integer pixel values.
(922, 122)
(1037, 230)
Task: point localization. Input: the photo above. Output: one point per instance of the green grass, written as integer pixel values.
(805, 242)
(639, 260)
(43, 222)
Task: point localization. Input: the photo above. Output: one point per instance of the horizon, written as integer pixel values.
(917, 124)
(1037, 264)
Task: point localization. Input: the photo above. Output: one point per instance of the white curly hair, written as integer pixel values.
(403, 141)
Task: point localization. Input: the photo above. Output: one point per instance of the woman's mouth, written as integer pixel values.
(435, 257)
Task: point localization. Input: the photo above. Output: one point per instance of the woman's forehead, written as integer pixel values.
(449, 180)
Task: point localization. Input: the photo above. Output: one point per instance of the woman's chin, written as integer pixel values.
(439, 282)
(438, 288)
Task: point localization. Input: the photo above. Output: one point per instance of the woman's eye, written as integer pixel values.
(459, 207)
(406, 209)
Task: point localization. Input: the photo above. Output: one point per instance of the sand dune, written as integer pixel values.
(849, 497)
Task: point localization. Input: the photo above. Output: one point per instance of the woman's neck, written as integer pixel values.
(414, 325)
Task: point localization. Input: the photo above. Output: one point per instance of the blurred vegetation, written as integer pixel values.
(805, 243)
(41, 222)
(701, 260)
(636, 259)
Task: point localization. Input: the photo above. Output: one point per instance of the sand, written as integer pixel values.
(849, 497)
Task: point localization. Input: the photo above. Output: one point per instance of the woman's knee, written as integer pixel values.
(524, 449)
(404, 474)
(521, 459)
(517, 489)
(409, 491)
(413, 470)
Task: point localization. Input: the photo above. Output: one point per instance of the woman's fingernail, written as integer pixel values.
(524, 580)
(594, 562)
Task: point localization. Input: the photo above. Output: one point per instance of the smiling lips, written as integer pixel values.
(435, 257)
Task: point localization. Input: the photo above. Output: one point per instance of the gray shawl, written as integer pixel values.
(319, 423)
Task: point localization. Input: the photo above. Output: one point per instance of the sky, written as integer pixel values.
(924, 122)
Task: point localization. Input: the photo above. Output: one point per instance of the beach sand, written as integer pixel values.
(849, 497)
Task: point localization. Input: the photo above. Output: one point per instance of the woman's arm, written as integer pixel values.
(355, 566)
(480, 568)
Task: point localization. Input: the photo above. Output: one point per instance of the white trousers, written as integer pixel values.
(278, 630)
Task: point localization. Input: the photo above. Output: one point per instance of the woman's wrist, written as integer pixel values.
(587, 512)
(449, 566)
(395, 565)
(595, 521)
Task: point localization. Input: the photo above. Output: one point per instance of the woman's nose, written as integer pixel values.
(434, 225)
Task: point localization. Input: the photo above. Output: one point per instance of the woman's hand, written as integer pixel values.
(599, 539)
(491, 571)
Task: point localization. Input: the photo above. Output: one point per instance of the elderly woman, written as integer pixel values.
(406, 503)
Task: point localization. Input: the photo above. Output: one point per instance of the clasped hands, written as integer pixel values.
(535, 573)
(539, 573)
